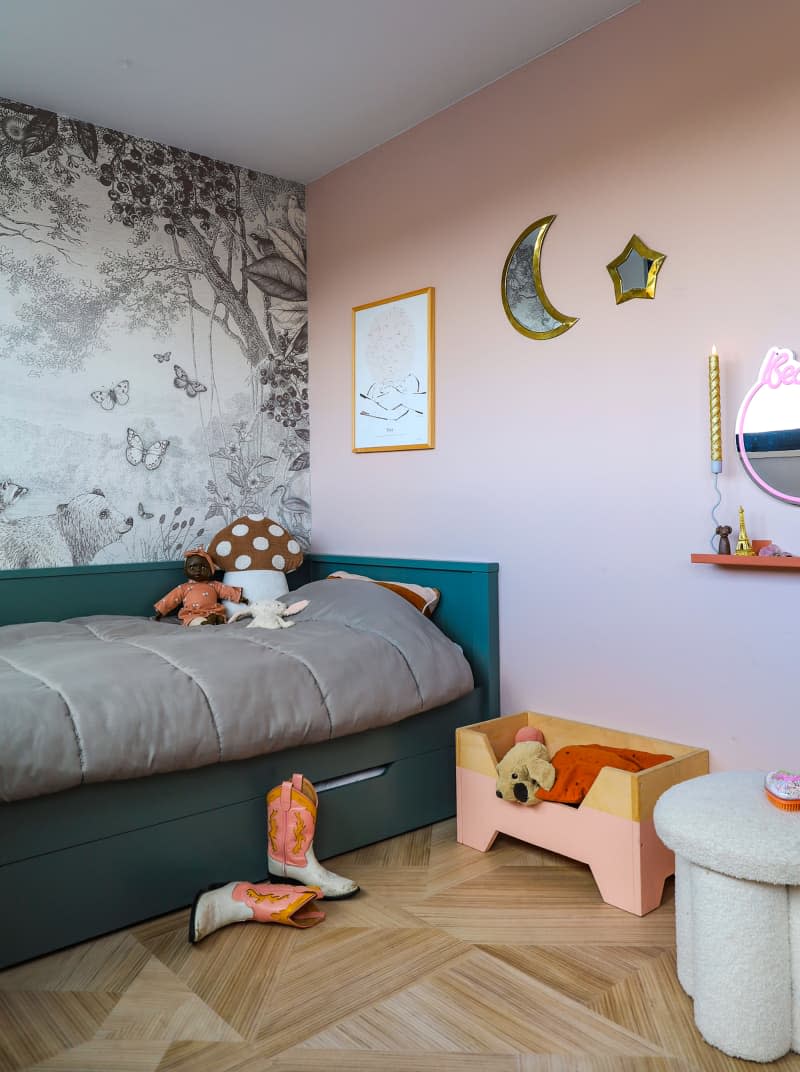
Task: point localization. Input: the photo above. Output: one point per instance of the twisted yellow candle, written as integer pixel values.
(714, 411)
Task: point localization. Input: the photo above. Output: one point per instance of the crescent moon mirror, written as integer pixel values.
(524, 299)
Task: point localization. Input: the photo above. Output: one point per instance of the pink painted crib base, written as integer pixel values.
(628, 861)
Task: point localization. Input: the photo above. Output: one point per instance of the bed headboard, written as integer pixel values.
(467, 612)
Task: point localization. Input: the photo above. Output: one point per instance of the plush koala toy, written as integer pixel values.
(522, 770)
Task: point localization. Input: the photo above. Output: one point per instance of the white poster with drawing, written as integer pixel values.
(393, 373)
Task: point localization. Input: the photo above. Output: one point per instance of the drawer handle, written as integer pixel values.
(349, 779)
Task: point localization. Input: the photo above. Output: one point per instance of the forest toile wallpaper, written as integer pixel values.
(153, 345)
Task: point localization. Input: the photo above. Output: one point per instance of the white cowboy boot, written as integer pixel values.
(291, 821)
(238, 902)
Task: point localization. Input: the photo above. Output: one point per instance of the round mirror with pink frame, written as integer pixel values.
(768, 426)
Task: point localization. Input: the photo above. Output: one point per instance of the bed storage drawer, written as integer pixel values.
(612, 829)
(197, 850)
(156, 841)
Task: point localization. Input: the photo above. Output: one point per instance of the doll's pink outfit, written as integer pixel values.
(199, 599)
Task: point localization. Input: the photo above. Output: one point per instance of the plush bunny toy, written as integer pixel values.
(269, 613)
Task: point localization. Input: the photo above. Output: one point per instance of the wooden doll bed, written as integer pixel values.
(80, 863)
(611, 830)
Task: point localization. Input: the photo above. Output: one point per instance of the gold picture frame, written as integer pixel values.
(393, 373)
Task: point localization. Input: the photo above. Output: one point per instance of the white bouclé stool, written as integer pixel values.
(737, 911)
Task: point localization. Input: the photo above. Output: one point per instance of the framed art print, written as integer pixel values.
(393, 379)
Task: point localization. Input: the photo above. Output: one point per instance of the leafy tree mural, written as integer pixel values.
(206, 243)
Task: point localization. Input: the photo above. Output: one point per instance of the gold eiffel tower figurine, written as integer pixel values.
(743, 544)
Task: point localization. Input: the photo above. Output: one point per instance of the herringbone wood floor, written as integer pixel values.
(449, 959)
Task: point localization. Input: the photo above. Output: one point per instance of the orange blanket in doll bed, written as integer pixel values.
(577, 766)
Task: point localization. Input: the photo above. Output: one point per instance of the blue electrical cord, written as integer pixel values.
(714, 508)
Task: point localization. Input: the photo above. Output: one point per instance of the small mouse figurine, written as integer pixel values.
(724, 531)
(199, 597)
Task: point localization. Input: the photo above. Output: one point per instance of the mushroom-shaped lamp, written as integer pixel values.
(256, 553)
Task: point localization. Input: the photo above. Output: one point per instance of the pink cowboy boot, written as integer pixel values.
(263, 902)
(291, 821)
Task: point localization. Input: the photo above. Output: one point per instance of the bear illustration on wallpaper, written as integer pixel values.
(153, 343)
(71, 536)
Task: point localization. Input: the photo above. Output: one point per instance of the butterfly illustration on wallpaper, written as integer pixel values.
(145, 515)
(182, 382)
(137, 452)
(161, 358)
(113, 396)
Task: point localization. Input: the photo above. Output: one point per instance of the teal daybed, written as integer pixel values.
(116, 853)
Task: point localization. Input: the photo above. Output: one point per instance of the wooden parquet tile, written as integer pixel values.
(476, 1004)
(39, 1024)
(158, 1006)
(100, 1056)
(449, 960)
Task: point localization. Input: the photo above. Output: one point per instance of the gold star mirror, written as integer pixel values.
(635, 270)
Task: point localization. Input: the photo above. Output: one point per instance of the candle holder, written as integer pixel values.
(715, 435)
(715, 412)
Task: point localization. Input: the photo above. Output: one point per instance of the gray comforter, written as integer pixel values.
(109, 697)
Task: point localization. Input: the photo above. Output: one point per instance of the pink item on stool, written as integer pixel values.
(783, 789)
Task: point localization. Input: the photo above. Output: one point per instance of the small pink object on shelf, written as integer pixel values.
(771, 550)
(528, 733)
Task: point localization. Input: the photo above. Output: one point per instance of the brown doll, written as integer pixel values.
(199, 597)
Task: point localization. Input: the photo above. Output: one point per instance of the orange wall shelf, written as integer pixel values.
(755, 561)
(749, 562)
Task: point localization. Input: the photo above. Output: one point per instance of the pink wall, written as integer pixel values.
(581, 464)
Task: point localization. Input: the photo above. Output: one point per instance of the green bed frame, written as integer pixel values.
(90, 860)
